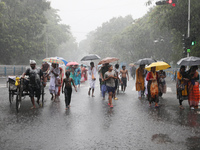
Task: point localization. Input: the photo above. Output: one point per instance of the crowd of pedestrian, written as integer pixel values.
(149, 84)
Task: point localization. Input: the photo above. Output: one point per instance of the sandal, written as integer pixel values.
(181, 107)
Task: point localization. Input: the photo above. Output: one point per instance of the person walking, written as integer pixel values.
(116, 81)
(103, 70)
(61, 75)
(54, 81)
(77, 75)
(181, 86)
(152, 78)
(92, 78)
(124, 78)
(162, 83)
(71, 70)
(110, 77)
(45, 69)
(193, 87)
(67, 83)
(83, 73)
(139, 84)
(34, 86)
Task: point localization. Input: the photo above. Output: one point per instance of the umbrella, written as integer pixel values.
(160, 65)
(53, 60)
(65, 62)
(108, 60)
(90, 57)
(189, 61)
(145, 61)
(72, 63)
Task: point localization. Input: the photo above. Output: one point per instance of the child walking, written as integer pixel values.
(68, 89)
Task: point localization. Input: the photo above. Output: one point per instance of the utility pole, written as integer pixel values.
(46, 40)
(188, 33)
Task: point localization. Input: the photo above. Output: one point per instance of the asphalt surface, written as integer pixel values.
(90, 124)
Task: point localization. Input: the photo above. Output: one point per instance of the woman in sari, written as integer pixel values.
(152, 78)
(83, 73)
(71, 70)
(193, 87)
(181, 86)
(77, 75)
(140, 80)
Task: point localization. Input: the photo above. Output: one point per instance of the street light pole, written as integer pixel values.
(46, 41)
(188, 33)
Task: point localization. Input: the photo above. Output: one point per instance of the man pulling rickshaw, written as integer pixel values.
(34, 84)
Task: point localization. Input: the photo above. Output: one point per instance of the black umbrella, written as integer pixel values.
(90, 57)
(189, 61)
(145, 61)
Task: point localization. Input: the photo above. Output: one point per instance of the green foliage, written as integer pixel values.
(158, 34)
(28, 28)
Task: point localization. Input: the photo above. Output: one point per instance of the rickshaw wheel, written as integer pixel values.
(11, 96)
(18, 99)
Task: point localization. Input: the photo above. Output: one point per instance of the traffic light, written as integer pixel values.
(187, 43)
(193, 41)
(173, 2)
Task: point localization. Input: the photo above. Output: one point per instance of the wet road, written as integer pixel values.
(91, 124)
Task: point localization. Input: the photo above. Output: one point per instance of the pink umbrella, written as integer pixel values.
(72, 63)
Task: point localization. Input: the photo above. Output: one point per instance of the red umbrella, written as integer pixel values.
(72, 63)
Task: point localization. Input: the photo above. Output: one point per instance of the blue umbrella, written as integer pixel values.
(65, 62)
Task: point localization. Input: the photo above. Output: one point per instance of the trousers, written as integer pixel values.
(68, 94)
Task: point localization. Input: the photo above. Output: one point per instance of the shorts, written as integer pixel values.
(34, 90)
(124, 81)
(110, 89)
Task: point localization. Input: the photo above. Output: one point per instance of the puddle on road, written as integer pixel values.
(161, 138)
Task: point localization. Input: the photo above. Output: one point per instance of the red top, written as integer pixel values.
(149, 76)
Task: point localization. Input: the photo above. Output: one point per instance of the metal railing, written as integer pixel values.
(12, 70)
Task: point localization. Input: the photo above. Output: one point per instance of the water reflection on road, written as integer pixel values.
(91, 124)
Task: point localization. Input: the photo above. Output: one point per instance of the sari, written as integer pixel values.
(152, 87)
(181, 87)
(139, 80)
(193, 90)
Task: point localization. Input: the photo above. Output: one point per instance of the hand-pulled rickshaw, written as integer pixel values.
(20, 87)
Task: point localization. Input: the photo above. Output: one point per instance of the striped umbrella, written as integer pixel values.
(53, 60)
(65, 62)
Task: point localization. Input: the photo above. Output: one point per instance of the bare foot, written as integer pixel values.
(66, 108)
(33, 107)
(52, 98)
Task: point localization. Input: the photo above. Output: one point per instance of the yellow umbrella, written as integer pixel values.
(160, 65)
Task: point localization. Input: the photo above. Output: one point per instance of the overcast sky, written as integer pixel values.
(84, 16)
